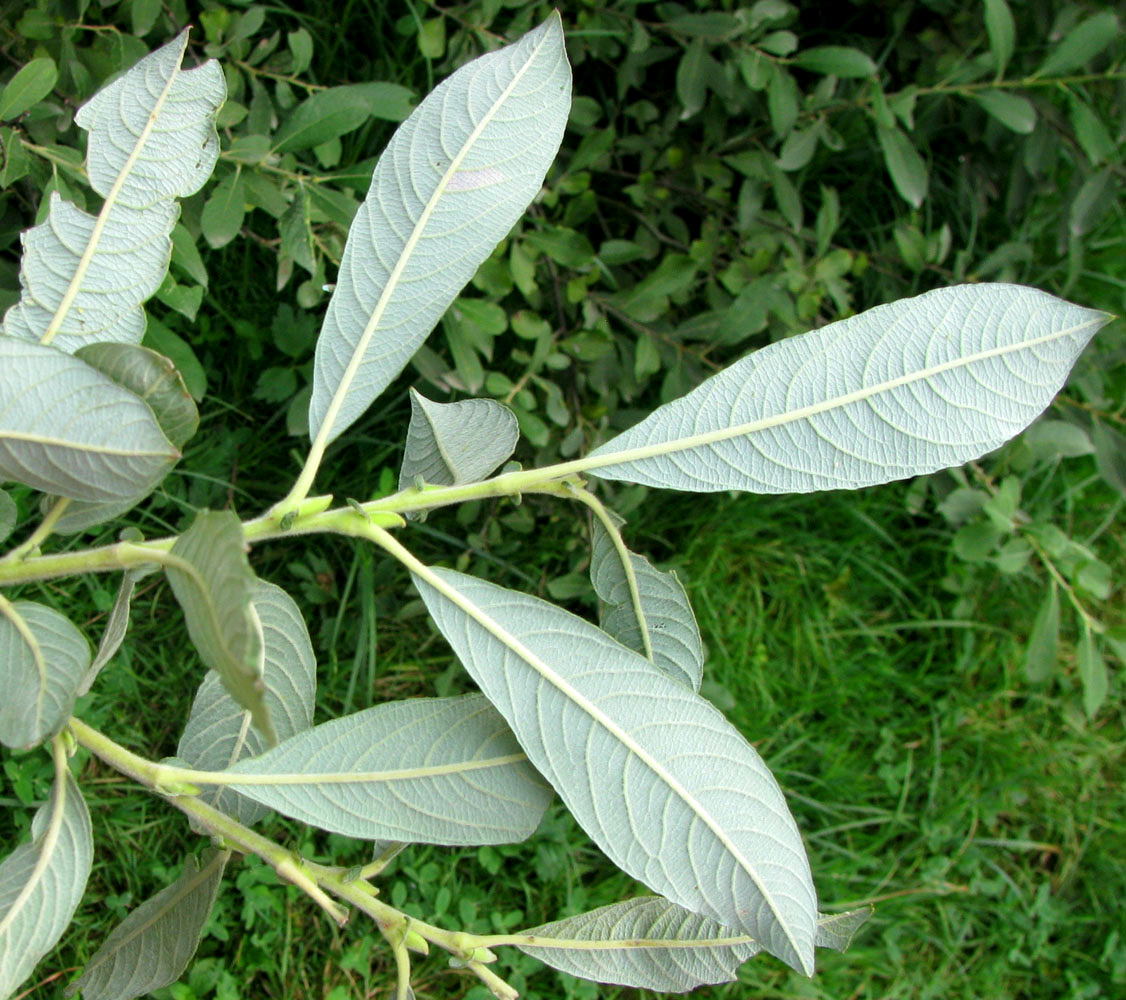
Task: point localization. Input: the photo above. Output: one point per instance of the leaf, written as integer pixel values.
(43, 659)
(900, 390)
(1000, 28)
(215, 587)
(223, 214)
(659, 779)
(424, 771)
(907, 169)
(41, 883)
(325, 115)
(152, 377)
(453, 443)
(66, 428)
(492, 130)
(650, 943)
(1092, 673)
(1058, 438)
(179, 352)
(117, 625)
(218, 732)
(32, 82)
(153, 945)
(9, 515)
(151, 139)
(296, 234)
(1091, 133)
(1085, 41)
(674, 636)
(837, 60)
(1011, 110)
(1110, 455)
(1041, 654)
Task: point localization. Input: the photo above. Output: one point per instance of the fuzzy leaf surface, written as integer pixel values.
(151, 140)
(452, 443)
(66, 428)
(153, 945)
(900, 390)
(41, 882)
(454, 179)
(43, 660)
(666, 612)
(427, 770)
(658, 778)
(218, 733)
(216, 587)
(650, 943)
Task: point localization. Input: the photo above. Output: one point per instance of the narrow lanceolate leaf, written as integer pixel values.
(116, 626)
(1042, 651)
(215, 586)
(658, 778)
(66, 428)
(43, 659)
(900, 390)
(425, 771)
(41, 883)
(650, 943)
(152, 946)
(151, 139)
(219, 734)
(454, 179)
(452, 443)
(661, 609)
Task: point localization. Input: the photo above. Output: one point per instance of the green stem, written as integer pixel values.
(46, 526)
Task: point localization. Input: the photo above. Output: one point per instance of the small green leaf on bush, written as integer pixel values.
(9, 514)
(325, 115)
(1085, 41)
(300, 44)
(215, 587)
(153, 945)
(1000, 28)
(782, 102)
(28, 87)
(1092, 673)
(1110, 455)
(907, 169)
(225, 209)
(185, 255)
(143, 15)
(836, 60)
(1011, 110)
(564, 246)
(1090, 132)
(432, 38)
(1052, 438)
(180, 353)
(1042, 651)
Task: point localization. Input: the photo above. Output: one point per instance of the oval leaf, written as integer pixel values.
(43, 660)
(454, 179)
(1011, 110)
(900, 390)
(41, 883)
(665, 613)
(152, 946)
(215, 587)
(1043, 644)
(657, 777)
(650, 943)
(9, 515)
(452, 443)
(907, 169)
(425, 771)
(218, 732)
(152, 139)
(66, 428)
(836, 60)
(28, 87)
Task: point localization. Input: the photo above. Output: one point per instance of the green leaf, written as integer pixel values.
(497, 122)
(179, 351)
(432, 38)
(907, 169)
(900, 390)
(692, 79)
(185, 255)
(296, 234)
(1043, 643)
(151, 139)
(783, 102)
(327, 114)
(1011, 110)
(1000, 28)
(143, 14)
(428, 770)
(66, 428)
(650, 943)
(218, 733)
(32, 82)
(836, 60)
(564, 246)
(1091, 133)
(17, 164)
(453, 443)
(117, 625)
(659, 779)
(1058, 438)
(154, 378)
(215, 586)
(1110, 455)
(300, 44)
(1085, 41)
(41, 883)
(43, 659)
(1092, 673)
(665, 614)
(9, 515)
(153, 945)
(224, 211)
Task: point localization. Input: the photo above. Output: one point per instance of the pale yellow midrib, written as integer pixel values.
(100, 223)
(86, 449)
